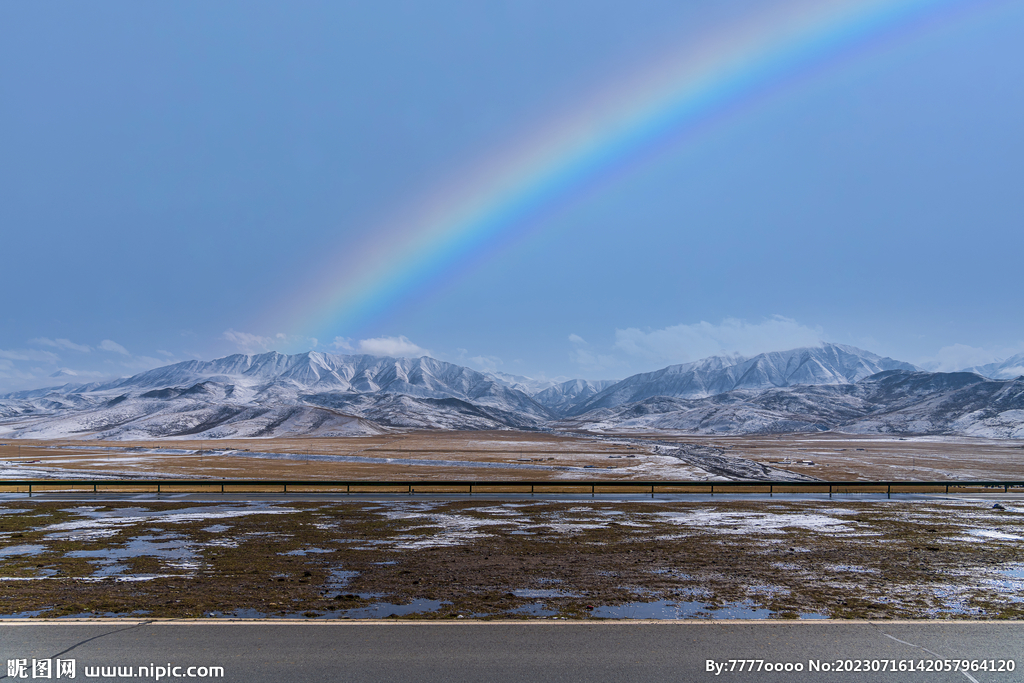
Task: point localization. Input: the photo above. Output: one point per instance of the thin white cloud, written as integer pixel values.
(36, 368)
(486, 363)
(113, 346)
(249, 343)
(33, 368)
(142, 363)
(61, 344)
(591, 362)
(684, 343)
(15, 378)
(30, 355)
(79, 375)
(961, 356)
(342, 344)
(399, 347)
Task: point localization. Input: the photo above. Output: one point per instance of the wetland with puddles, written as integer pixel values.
(538, 560)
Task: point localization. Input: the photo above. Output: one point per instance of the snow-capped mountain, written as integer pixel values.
(272, 394)
(561, 397)
(556, 395)
(892, 402)
(1007, 369)
(830, 364)
(828, 387)
(527, 385)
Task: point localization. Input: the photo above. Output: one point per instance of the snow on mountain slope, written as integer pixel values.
(527, 385)
(313, 371)
(831, 387)
(271, 394)
(1007, 369)
(943, 403)
(563, 396)
(829, 364)
(197, 420)
(892, 402)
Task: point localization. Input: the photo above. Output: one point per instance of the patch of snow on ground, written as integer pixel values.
(988, 535)
(757, 522)
(110, 525)
(454, 529)
(850, 568)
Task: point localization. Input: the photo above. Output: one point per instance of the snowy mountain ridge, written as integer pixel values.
(1007, 369)
(272, 394)
(891, 402)
(833, 364)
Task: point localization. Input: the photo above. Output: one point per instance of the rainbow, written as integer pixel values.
(462, 221)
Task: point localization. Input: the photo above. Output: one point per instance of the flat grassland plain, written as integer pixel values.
(414, 557)
(513, 455)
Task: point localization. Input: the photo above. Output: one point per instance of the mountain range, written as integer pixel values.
(829, 387)
(1007, 369)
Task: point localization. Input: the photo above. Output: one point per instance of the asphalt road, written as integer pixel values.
(512, 651)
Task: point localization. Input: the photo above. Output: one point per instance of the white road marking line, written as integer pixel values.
(934, 654)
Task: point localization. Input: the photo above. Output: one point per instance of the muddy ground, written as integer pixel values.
(441, 560)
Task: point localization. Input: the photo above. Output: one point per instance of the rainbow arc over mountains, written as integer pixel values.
(679, 93)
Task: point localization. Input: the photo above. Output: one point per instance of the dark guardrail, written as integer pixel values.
(428, 486)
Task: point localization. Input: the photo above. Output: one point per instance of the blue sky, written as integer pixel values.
(170, 175)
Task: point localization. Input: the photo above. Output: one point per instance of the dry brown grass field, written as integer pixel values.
(839, 457)
(508, 455)
(525, 558)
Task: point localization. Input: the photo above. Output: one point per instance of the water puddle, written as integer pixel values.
(675, 573)
(1010, 587)
(244, 613)
(338, 580)
(382, 610)
(955, 599)
(95, 615)
(543, 593)
(22, 615)
(537, 609)
(107, 561)
(668, 609)
(302, 552)
(27, 549)
(100, 523)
